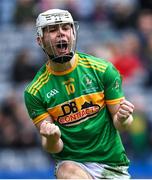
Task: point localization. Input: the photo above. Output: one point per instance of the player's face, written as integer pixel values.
(58, 39)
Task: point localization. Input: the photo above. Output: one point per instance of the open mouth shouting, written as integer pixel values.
(62, 47)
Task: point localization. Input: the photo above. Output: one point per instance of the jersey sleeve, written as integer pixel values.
(35, 108)
(112, 85)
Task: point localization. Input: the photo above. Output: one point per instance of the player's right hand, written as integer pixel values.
(49, 129)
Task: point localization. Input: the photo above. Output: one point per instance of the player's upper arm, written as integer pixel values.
(112, 81)
(36, 109)
(113, 89)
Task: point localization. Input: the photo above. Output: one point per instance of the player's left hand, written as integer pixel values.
(125, 110)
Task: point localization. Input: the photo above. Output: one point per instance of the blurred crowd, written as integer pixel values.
(117, 30)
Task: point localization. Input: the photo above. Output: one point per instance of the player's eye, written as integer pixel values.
(52, 28)
(66, 26)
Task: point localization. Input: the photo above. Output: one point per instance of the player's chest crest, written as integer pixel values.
(89, 84)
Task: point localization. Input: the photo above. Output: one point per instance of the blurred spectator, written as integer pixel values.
(16, 128)
(144, 25)
(23, 69)
(144, 31)
(141, 130)
(147, 61)
(72, 6)
(122, 13)
(85, 10)
(25, 12)
(124, 53)
(126, 56)
(100, 14)
(48, 4)
(7, 8)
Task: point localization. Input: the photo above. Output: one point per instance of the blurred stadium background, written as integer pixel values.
(117, 30)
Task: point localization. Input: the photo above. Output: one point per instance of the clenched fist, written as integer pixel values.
(48, 129)
(125, 110)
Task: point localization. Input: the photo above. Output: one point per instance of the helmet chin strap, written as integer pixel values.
(60, 59)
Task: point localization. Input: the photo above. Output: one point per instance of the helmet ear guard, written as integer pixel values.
(54, 17)
(39, 40)
(39, 32)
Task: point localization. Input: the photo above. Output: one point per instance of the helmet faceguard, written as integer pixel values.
(57, 17)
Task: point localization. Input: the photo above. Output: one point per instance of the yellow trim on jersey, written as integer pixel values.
(30, 87)
(42, 83)
(90, 66)
(43, 79)
(63, 72)
(91, 61)
(42, 76)
(114, 101)
(40, 118)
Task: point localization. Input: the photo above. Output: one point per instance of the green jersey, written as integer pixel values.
(77, 102)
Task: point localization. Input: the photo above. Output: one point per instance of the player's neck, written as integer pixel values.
(58, 67)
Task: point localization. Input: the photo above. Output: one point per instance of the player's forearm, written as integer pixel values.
(124, 124)
(50, 146)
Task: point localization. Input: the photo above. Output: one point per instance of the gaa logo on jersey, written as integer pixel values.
(52, 93)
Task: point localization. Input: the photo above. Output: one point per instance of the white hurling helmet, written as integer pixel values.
(54, 17)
